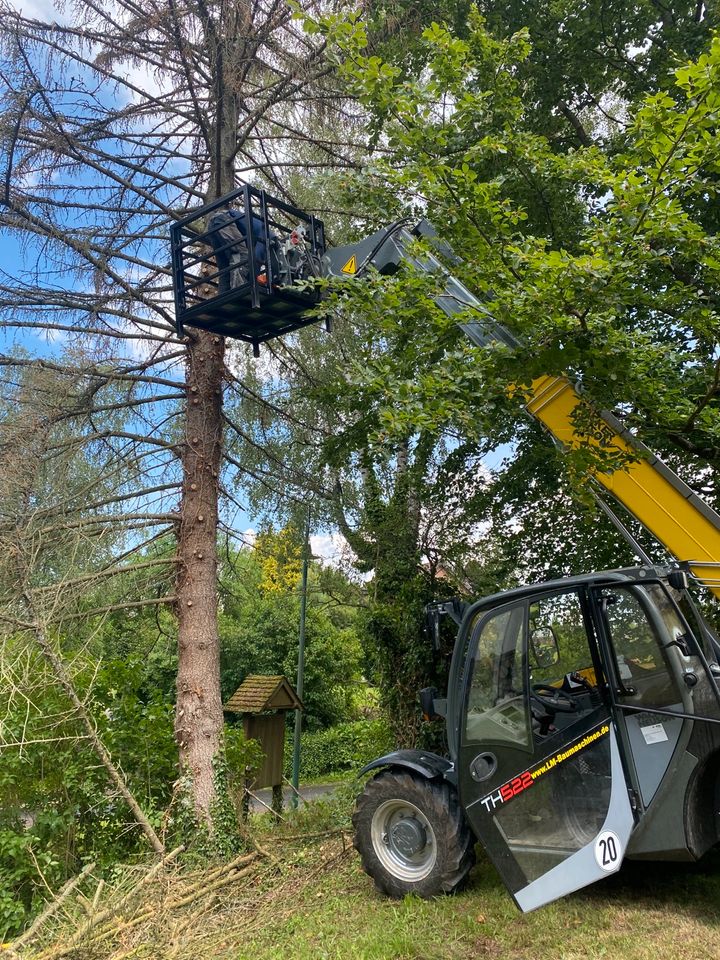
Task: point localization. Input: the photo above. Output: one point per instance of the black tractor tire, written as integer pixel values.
(411, 835)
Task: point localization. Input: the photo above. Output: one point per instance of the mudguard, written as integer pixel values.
(429, 765)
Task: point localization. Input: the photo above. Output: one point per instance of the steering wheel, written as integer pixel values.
(558, 702)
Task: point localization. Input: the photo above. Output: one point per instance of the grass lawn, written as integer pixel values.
(648, 911)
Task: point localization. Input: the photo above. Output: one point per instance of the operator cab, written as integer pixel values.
(578, 732)
(240, 264)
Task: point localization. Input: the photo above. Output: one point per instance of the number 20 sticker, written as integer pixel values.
(608, 851)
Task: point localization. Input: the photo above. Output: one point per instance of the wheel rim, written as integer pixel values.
(403, 840)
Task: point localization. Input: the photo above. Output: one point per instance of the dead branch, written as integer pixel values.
(241, 861)
(231, 877)
(98, 918)
(267, 806)
(52, 907)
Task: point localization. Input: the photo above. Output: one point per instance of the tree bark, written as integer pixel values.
(199, 717)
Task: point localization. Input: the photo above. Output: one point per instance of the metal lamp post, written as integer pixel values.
(301, 663)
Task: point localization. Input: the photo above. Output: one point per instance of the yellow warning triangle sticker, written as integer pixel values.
(351, 265)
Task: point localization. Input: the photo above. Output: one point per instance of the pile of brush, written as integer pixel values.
(168, 909)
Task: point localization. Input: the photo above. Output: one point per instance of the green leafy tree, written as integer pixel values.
(317, 437)
(575, 206)
(259, 626)
(588, 63)
(58, 810)
(620, 298)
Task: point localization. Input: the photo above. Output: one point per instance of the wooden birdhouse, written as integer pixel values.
(263, 702)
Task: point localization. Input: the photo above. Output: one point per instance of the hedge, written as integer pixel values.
(344, 747)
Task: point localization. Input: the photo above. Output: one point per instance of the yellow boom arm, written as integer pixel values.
(651, 492)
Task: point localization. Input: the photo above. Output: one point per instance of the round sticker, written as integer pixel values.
(608, 851)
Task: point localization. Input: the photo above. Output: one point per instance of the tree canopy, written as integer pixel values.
(601, 258)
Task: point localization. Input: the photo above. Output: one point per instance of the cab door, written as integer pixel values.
(539, 767)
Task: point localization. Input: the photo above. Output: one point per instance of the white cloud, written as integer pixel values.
(39, 10)
(328, 547)
(334, 550)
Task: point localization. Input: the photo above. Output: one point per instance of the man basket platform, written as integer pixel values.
(239, 264)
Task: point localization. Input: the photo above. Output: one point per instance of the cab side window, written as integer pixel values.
(641, 652)
(497, 707)
(557, 622)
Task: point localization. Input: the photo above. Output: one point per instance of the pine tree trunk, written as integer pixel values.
(199, 717)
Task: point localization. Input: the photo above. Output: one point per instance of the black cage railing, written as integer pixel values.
(241, 266)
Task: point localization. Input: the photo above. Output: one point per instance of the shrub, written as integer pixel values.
(344, 747)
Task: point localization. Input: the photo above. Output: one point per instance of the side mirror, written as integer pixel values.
(429, 703)
(432, 625)
(544, 646)
(454, 608)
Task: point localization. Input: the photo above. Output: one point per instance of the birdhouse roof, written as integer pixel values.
(259, 694)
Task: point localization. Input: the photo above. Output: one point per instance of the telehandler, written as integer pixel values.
(582, 714)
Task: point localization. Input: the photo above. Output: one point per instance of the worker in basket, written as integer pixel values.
(227, 232)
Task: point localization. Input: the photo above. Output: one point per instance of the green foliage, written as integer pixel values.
(136, 722)
(399, 655)
(22, 860)
(54, 796)
(55, 801)
(344, 747)
(389, 498)
(575, 189)
(259, 630)
(241, 756)
(602, 259)
(533, 530)
(226, 838)
(587, 61)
